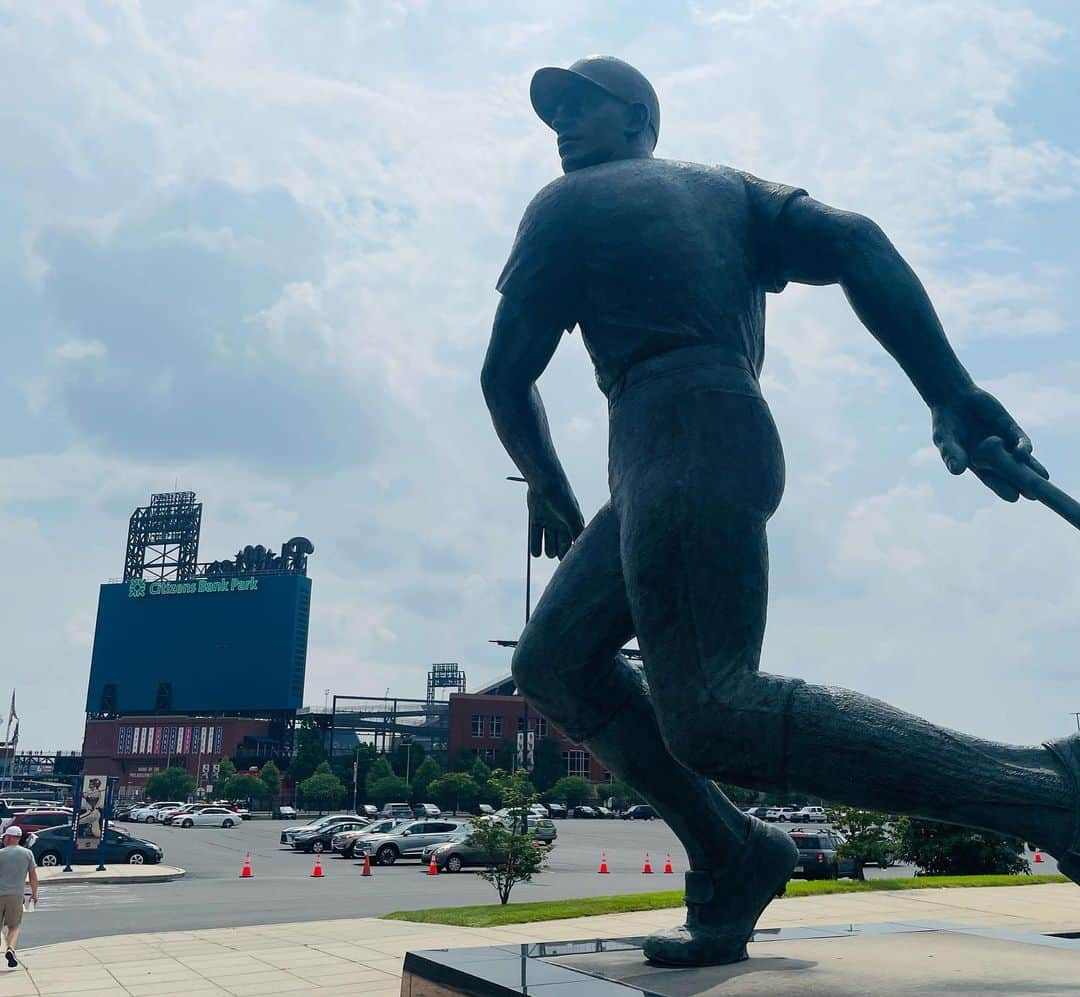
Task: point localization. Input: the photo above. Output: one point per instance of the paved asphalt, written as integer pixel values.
(213, 896)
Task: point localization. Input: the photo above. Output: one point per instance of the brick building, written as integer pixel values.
(482, 723)
(135, 747)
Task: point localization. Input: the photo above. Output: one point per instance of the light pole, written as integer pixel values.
(355, 768)
(407, 741)
(528, 610)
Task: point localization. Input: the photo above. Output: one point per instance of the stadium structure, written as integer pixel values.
(192, 660)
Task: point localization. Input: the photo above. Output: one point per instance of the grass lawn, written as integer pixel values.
(489, 915)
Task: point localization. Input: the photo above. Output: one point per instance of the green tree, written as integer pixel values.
(310, 751)
(454, 791)
(407, 758)
(736, 793)
(379, 769)
(271, 778)
(513, 789)
(505, 755)
(869, 839)
(571, 790)
(949, 850)
(247, 787)
(322, 790)
(170, 784)
(226, 770)
(480, 771)
(423, 777)
(463, 760)
(548, 764)
(514, 855)
(388, 789)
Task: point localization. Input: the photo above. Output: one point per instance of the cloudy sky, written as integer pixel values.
(249, 249)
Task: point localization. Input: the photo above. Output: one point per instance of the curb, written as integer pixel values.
(78, 878)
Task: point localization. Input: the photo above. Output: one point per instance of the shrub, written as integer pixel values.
(949, 850)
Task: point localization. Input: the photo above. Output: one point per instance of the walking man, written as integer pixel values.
(664, 266)
(16, 866)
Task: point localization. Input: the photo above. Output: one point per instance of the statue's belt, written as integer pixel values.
(731, 370)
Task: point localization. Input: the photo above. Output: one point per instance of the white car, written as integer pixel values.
(811, 814)
(148, 814)
(211, 817)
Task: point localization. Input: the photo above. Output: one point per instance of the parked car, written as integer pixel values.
(811, 815)
(456, 854)
(285, 813)
(400, 810)
(369, 810)
(50, 848)
(210, 817)
(344, 842)
(818, 858)
(38, 820)
(542, 828)
(426, 810)
(319, 839)
(585, 811)
(407, 841)
(556, 810)
(176, 816)
(486, 809)
(289, 833)
(149, 813)
(604, 812)
(640, 811)
(760, 812)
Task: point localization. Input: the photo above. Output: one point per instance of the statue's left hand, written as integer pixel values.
(968, 419)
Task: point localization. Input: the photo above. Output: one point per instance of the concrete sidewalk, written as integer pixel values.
(364, 955)
(146, 873)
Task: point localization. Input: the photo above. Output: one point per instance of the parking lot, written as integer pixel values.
(282, 889)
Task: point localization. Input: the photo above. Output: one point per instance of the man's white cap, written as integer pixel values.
(13, 829)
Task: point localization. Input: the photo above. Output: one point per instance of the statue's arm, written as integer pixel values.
(817, 244)
(522, 344)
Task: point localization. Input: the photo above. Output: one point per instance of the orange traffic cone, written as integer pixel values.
(647, 867)
(316, 873)
(667, 865)
(432, 869)
(603, 864)
(1038, 855)
(246, 872)
(367, 865)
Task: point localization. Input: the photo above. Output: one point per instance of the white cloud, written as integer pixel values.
(296, 213)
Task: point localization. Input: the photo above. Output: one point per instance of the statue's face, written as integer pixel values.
(591, 126)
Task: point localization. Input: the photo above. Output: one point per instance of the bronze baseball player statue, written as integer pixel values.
(664, 266)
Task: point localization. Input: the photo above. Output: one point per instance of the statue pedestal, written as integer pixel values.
(903, 960)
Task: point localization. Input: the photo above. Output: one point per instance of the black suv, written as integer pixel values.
(818, 858)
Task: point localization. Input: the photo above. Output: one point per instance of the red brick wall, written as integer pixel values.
(464, 706)
(101, 742)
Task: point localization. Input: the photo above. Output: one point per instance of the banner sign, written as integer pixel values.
(90, 799)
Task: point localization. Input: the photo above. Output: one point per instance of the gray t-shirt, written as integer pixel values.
(15, 863)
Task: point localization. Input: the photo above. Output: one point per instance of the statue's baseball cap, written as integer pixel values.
(613, 76)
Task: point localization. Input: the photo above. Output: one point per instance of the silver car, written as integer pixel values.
(344, 843)
(409, 840)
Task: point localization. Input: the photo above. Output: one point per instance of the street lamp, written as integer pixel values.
(528, 609)
(407, 741)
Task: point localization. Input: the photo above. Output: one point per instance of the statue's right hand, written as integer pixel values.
(555, 522)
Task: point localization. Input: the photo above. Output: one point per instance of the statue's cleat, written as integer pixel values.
(722, 907)
(1067, 751)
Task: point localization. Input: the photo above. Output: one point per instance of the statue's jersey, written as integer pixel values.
(650, 255)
